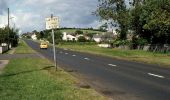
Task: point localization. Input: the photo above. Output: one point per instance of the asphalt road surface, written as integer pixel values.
(119, 79)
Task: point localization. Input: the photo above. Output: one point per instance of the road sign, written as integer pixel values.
(52, 22)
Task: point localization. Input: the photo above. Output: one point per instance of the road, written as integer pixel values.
(119, 79)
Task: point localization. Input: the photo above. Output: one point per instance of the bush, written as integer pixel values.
(122, 42)
(81, 39)
(79, 32)
(141, 41)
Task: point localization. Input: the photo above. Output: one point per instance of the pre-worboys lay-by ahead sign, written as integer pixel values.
(52, 22)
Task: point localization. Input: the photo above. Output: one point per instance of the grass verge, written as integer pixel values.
(35, 79)
(132, 55)
(23, 48)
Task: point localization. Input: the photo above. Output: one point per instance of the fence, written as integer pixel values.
(150, 47)
(156, 47)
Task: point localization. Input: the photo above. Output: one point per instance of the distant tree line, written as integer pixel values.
(92, 29)
(147, 20)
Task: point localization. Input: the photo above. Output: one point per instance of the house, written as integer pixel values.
(77, 36)
(34, 36)
(69, 37)
(97, 38)
(104, 37)
(114, 32)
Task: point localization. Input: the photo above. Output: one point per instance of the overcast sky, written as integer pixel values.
(30, 14)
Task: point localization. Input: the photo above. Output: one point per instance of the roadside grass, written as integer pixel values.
(36, 79)
(23, 48)
(8, 52)
(132, 55)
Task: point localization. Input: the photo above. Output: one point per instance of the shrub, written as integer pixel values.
(81, 39)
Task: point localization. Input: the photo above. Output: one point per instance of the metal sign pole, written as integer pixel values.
(54, 50)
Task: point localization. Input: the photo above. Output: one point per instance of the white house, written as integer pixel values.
(114, 32)
(97, 38)
(34, 36)
(67, 37)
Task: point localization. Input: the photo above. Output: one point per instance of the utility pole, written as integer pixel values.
(8, 30)
(8, 17)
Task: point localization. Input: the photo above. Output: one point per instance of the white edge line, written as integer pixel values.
(112, 65)
(155, 75)
(86, 58)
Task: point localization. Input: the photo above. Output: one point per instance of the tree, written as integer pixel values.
(13, 36)
(116, 12)
(82, 39)
(156, 18)
(78, 32)
(9, 35)
(57, 36)
(40, 35)
(103, 27)
(90, 35)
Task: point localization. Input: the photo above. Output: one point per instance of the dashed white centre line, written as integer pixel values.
(73, 55)
(86, 58)
(112, 65)
(155, 75)
(66, 53)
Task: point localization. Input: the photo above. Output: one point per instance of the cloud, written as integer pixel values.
(31, 14)
(3, 6)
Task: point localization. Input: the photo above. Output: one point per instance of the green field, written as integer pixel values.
(36, 79)
(132, 55)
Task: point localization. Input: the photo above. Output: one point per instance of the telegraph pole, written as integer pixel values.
(8, 30)
(8, 17)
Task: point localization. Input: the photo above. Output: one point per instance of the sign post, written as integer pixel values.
(54, 50)
(51, 23)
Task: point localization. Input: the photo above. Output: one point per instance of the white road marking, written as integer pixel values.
(66, 53)
(155, 75)
(112, 65)
(86, 58)
(73, 55)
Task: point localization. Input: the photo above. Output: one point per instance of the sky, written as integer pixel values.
(29, 15)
